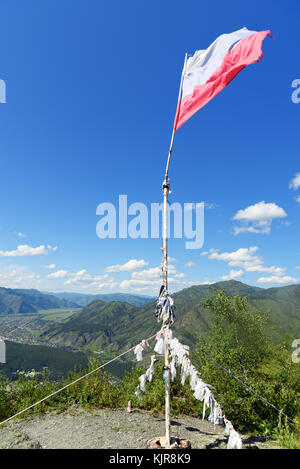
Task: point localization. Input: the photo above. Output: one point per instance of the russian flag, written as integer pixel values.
(209, 71)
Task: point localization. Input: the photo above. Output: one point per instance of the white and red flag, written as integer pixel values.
(209, 71)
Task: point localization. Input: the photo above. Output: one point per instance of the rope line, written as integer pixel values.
(248, 387)
(70, 384)
(228, 371)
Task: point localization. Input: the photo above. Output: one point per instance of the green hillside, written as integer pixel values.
(113, 326)
(99, 324)
(14, 301)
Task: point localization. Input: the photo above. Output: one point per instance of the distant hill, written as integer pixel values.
(112, 326)
(14, 301)
(27, 357)
(83, 299)
(97, 325)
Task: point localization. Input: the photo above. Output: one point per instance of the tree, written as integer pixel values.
(237, 336)
(237, 340)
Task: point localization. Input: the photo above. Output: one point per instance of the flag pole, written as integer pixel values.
(177, 114)
(166, 322)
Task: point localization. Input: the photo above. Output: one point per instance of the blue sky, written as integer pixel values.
(91, 95)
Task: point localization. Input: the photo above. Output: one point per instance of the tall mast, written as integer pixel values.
(166, 322)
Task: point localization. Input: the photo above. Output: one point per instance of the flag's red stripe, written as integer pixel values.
(247, 51)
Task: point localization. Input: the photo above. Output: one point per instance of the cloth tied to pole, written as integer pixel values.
(165, 307)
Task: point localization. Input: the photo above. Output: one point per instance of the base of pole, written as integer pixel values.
(161, 443)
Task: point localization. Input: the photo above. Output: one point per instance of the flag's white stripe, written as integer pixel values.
(202, 65)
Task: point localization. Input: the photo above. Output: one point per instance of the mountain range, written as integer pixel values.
(20, 301)
(116, 325)
(83, 299)
(14, 301)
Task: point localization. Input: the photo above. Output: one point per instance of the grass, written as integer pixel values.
(99, 390)
(286, 438)
(57, 315)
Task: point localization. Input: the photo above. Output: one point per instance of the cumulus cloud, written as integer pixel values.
(179, 275)
(172, 259)
(149, 284)
(18, 277)
(152, 273)
(58, 274)
(141, 284)
(258, 218)
(83, 279)
(190, 264)
(233, 275)
(49, 266)
(246, 259)
(151, 279)
(20, 234)
(239, 258)
(202, 282)
(25, 250)
(295, 182)
(149, 274)
(129, 266)
(285, 279)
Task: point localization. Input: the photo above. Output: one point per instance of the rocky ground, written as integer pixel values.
(113, 429)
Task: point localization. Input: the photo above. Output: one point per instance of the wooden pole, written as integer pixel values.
(166, 322)
(166, 319)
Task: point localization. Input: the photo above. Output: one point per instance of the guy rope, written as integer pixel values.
(70, 384)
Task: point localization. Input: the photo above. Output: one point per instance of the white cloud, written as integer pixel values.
(298, 199)
(278, 279)
(151, 279)
(204, 253)
(150, 285)
(260, 212)
(153, 273)
(295, 183)
(237, 258)
(258, 218)
(82, 279)
(202, 282)
(250, 229)
(268, 270)
(141, 284)
(58, 274)
(129, 266)
(246, 258)
(179, 275)
(18, 277)
(233, 275)
(190, 264)
(25, 250)
(20, 234)
(50, 266)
